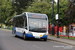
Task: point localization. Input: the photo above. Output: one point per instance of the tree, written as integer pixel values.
(20, 5)
(39, 7)
(62, 7)
(70, 13)
(7, 10)
(11, 8)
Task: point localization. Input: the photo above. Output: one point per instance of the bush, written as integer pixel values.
(0, 26)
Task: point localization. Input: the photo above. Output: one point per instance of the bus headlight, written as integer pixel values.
(46, 34)
(29, 33)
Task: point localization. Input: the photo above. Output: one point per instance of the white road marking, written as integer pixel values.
(64, 43)
(37, 47)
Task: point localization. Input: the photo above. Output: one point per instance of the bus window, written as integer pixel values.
(25, 22)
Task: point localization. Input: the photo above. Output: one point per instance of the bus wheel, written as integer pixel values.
(45, 39)
(14, 33)
(24, 36)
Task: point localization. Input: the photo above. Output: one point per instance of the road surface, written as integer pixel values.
(9, 42)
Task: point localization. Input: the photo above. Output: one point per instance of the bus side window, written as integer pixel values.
(25, 23)
(15, 22)
(21, 22)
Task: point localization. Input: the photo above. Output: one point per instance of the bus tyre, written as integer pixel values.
(14, 33)
(24, 36)
(45, 39)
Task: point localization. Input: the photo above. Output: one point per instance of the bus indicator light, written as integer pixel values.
(41, 35)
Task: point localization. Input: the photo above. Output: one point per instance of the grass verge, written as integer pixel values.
(65, 37)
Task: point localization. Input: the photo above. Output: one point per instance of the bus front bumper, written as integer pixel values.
(31, 36)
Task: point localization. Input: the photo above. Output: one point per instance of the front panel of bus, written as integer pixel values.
(37, 26)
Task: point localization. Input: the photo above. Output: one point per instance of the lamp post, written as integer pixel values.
(73, 2)
(49, 26)
(58, 19)
(53, 30)
(17, 2)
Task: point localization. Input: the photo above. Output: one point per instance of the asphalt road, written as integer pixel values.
(9, 42)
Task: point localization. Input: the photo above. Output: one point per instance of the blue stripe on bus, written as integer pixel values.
(44, 36)
(14, 29)
(29, 35)
(19, 34)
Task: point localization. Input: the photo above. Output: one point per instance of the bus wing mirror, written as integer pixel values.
(26, 27)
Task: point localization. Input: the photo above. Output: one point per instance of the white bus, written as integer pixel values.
(30, 25)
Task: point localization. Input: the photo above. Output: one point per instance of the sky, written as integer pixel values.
(56, 0)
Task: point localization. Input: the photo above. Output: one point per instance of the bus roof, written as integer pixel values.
(32, 13)
(24, 13)
(19, 15)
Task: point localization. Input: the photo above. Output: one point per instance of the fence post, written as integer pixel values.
(8, 27)
(68, 31)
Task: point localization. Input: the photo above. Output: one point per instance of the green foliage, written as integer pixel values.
(62, 8)
(70, 14)
(9, 9)
(40, 7)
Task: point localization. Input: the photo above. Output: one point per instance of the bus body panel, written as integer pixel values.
(31, 36)
(20, 31)
(14, 29)
(37, 35)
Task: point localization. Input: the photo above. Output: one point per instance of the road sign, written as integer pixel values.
(5, 21)
(56, 17)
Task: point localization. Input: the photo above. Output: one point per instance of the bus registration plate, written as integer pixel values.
(37, 37)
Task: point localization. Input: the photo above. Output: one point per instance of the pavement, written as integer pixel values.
(62, 40)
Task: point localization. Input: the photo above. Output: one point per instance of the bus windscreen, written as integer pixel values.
(37, 25)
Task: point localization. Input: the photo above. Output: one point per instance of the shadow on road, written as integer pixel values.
(1, 48)
(31, 39)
